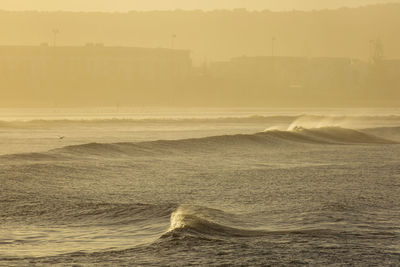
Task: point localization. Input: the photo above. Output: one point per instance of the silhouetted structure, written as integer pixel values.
(90, 73)
(98, 75)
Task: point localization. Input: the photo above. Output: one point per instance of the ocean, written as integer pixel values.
(203, 187)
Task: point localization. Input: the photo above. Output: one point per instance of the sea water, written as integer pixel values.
(174, 187)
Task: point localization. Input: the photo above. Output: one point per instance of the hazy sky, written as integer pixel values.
(126, 5)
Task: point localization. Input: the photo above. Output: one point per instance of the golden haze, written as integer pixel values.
(344, 57)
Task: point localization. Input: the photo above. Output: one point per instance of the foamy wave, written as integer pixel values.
(348, 121)
(327, 135)
(340, 135)
(204, 221)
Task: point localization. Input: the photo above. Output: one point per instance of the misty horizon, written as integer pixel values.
(337, 58)
(195, 31)
(130, 5)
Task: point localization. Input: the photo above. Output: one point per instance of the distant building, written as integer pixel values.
(95, 59)
(50, 73)
(292, 72)
(99, 75)
(339, 80)
(383, 79)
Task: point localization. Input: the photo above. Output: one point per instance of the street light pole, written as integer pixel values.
(273, 46)
(55, 33)
(173, 37)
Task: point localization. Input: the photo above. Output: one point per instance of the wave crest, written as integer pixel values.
(341, 135)
(264, 140)
(327, 135)
(206, 222)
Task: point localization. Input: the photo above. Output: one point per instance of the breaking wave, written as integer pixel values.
(327, 135)
(339, 135)
(264, 140)
(206, 223)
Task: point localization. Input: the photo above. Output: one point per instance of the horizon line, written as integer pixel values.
(237, 9)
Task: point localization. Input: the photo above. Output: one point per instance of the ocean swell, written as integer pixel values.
(265, 140)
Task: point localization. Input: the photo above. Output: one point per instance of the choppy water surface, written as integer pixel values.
(248, 188)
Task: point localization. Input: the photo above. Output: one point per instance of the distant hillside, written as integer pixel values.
(217, 35)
